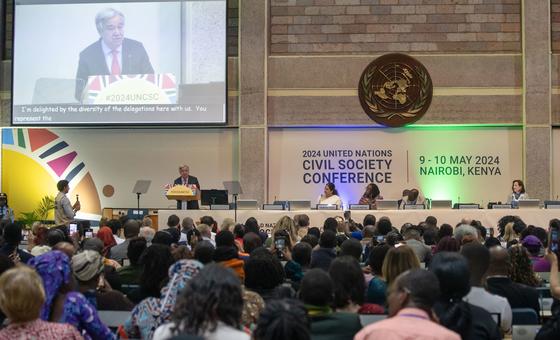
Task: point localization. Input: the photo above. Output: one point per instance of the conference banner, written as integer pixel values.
(462, 164)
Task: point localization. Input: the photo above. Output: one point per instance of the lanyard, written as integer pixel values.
(414, 316)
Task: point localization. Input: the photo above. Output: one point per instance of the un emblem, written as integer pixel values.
(395, 90)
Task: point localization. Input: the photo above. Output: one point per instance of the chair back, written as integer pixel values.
(524, 332)
(524, 316)
(497, 317)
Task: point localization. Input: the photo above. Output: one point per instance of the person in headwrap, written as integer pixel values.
(110, 266)
(97, 245)
(63, 305)
(88, 268)
(105, 234)
(227, 254)
(153, 312)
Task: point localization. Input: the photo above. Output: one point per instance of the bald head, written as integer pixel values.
(499, 261)
(147, 233)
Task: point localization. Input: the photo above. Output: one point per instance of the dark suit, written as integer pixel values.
(322, 258)
(518, 295)
(92, 62)
(482, 326)
(191, 180)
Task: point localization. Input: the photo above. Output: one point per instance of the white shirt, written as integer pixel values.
(515, 201)
(221, 332)
(118, 239)
(107, 52)
(183, 238)
(492, 303)
(334, 199)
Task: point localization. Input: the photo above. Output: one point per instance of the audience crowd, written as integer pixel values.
(211, 279)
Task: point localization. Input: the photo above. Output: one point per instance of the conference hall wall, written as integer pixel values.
(556, 163)
(103, 165)
(467, 164)
(305, 73)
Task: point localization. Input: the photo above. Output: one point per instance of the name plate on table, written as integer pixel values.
(359, 207)
(501, 206)
(440, 204)
(387, 205)
(414, 207)
(273, 207)
(469, 206)
(247, 205)
(131, 89)
(219, 207)
(327, 207)
(552, 204)
(529, 204)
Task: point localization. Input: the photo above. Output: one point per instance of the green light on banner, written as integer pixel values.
(444, 166)
(440, 188)
(452, 127)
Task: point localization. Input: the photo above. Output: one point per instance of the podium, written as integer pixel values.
(183, 193)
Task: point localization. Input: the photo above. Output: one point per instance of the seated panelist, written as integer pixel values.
(518, 193)
(413, 197)
(371, 195)
(330, 196)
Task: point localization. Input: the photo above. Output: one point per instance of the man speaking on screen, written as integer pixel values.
(112, 54)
